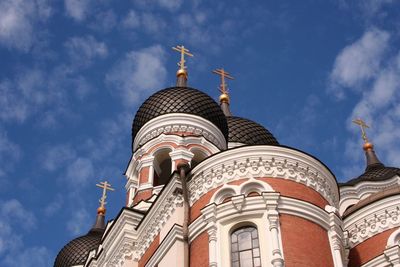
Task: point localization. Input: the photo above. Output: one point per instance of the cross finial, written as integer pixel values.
(223, 87)
(106, 186)
(363, 126)
(184, 51)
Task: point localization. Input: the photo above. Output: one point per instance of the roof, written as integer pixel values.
(77, 250)
(180, 100)
(249, 132)
(391, 191)
(374, 173)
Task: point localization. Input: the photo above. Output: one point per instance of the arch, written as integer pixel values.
(254, 186)
(224, 193)
(245, 246)
(199, 156)
(162, 165)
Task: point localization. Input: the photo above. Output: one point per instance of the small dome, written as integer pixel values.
(249, 132)
(77, 251)
(375, 173)
(180, 100)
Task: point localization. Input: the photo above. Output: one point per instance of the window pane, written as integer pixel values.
(255, 243)
(254, 233)
(257, 262)
(234, 238)
(244, 240)
(246, 259)
(235, 256)
(256, 252)
(234, 247)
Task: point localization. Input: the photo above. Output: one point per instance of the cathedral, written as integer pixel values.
(205, 187)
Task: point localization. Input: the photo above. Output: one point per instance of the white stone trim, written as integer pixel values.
(118, 242)
(389, 258)
(179, 122)
(350, 195)
(373, 219)
(394, 239)
(252, 185)
(175, 234)
(262, 161)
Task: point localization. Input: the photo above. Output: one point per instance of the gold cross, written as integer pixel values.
(221, 72)
(363, 126)
(106, 186)
(184, 51)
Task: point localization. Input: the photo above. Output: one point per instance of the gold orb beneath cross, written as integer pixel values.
(101, 210)
(368, 146)
(224, 98)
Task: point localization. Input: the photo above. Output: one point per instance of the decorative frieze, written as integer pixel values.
(262, 161)
(373, 219)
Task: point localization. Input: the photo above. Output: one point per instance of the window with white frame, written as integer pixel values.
(245, 248)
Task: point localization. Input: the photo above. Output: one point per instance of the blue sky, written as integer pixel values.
(73, 73)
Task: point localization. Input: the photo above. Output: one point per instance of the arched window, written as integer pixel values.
(162, 167)
(245, 248)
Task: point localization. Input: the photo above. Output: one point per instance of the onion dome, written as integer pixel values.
(76, 251)
(248, 132)
(180, 100)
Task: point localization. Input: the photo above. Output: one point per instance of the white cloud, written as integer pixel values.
(368, 62)
(82, 50)
(14, 219)
(79, 171)
(18, 21)
(57, 156)
(359, 62)
(30, 257)
(77, 9)
(54, 206)
(78, 222)
(171, 5)
(9, 153)
(138, 73)
(132, 20)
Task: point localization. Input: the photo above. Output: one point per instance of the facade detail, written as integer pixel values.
(207, 188)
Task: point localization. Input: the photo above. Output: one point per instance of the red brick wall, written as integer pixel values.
(143, 195)
(369, 249)
(144, 175)
(150, 251)
(296, 190)
(199, 251)
(305, 244)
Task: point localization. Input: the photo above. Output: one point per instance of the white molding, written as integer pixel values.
(262, 161)
(394, 239)
(118, 241)
(350, 195)
(174, 235)
(373, 219)
(179, 122)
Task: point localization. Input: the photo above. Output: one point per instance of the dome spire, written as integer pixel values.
(372, 159)
(224, 97)
(101, 210)
(182, 73)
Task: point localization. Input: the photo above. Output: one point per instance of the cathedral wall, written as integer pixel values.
(305, 244)
(195, 210)
(296, 190)
(173, 258)
(149, 252)
(143, 195)
(199, 251)
(369, 249)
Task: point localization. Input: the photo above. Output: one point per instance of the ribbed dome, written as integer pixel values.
(77, 251)
(180, 100)
(249, 132)
(375, 173)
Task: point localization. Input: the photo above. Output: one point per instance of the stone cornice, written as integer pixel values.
(373, 219)
(180, 123)
(262, 161)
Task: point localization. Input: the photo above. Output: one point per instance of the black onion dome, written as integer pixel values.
(180, 100)
(249, 132)
(77, 251)
(375, 173)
